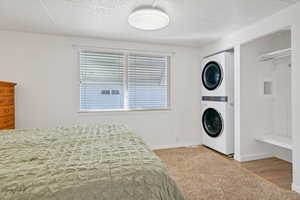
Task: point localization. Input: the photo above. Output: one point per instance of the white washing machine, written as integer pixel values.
(218, 75)
(218, 126)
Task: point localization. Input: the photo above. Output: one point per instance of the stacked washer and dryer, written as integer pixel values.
(217, 102)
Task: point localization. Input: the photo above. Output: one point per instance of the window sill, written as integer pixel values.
(122, 110)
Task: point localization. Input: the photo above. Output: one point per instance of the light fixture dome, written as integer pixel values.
(149, 19)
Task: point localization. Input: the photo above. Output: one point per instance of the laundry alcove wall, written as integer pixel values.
(266, 97)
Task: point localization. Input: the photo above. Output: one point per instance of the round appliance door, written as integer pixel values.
(212, 122)
(212, 75)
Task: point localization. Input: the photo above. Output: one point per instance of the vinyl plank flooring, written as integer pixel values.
(276, 171)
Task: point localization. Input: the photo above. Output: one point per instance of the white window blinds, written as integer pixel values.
(123, 81)
(99, 74)
(147, 82)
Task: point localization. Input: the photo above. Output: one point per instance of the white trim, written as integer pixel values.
(123, 110)
(245, 158)
(169, 81)
(237, 157)
(125, 82)
(170, 146)
(77, 50)
(123, 50)
(237, 102)
(296, 188)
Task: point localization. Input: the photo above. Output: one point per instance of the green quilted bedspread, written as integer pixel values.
(99, 162)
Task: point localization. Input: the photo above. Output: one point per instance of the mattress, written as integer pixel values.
(99, 162)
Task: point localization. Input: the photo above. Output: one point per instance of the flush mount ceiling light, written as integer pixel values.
(149, 19)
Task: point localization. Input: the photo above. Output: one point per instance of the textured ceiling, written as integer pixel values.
(193, 22)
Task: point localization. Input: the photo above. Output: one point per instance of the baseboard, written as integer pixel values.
(170, 146)
(245, 158)
(296, 188)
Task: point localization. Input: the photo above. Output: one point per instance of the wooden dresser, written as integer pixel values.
(7, 105)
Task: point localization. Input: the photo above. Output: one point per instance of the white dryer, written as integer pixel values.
(217, 75)
(218, 126)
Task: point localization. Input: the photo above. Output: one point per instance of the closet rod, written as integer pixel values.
(276, 55)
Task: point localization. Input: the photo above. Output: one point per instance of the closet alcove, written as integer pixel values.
(266, 97)
(279, 88)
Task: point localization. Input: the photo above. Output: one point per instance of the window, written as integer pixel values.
(115, 92)
(123, 81)
(107, 92)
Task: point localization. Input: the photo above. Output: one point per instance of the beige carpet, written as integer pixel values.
(202, 174)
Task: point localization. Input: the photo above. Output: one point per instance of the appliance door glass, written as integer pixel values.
(212, 75)
(212, 122)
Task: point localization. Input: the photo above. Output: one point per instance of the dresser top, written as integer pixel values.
(3, 83)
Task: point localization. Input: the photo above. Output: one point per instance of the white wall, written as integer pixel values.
(286, 18)
(270, 113)
(47, 95)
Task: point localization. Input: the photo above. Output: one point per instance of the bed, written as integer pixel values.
(99, 162)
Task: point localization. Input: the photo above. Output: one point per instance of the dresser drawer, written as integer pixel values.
(7, 110)
(7, 100)
(7, 121)
(7, 91)
(8, 127)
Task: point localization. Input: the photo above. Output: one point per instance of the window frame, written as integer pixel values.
(126, 52)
